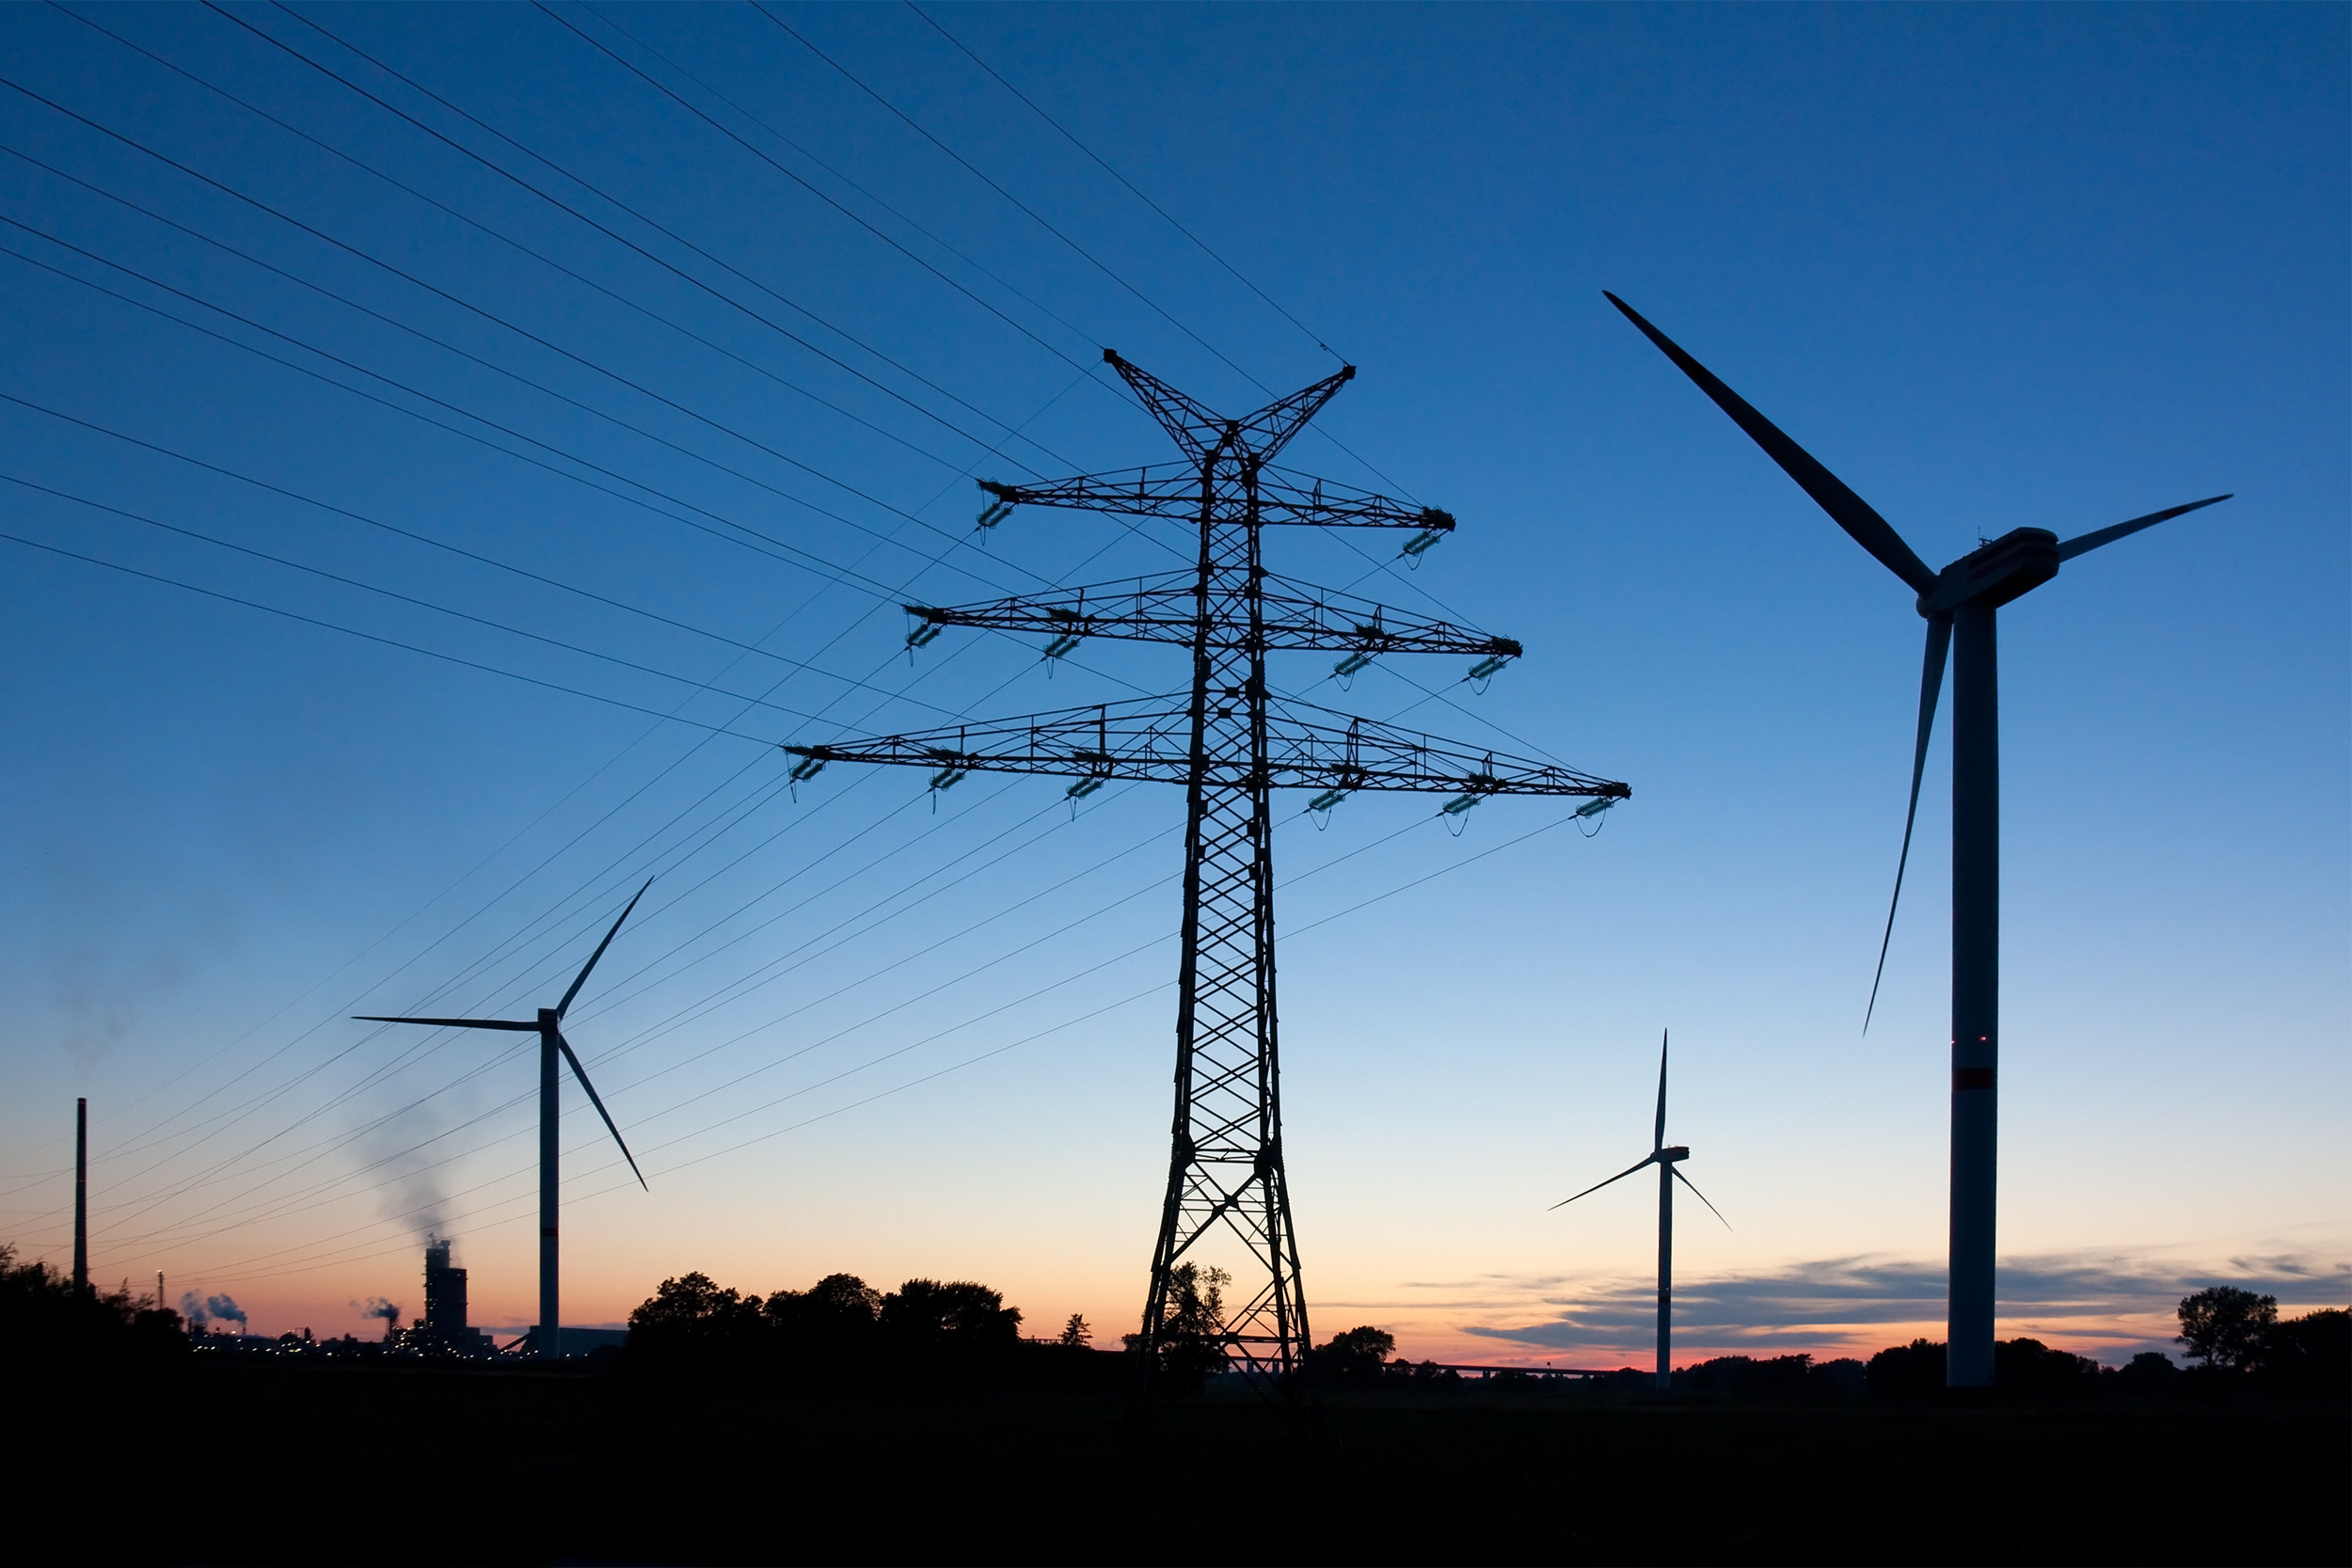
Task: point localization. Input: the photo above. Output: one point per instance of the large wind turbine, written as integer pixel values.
(1666, 1160)
(1959, 604)
(551, 1042)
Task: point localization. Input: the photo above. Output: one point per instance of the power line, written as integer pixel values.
(633, 213)
(523, 572)
(956, 1066)
(569, 272)
(794, 555)
(653, 1031)
(521, 332)
(407, 598)
(789, 618)
(706, 741)
(616, 237)
(993, 276)
(1128, 184)
(970, 168)
(1072, 244)
(370, 637)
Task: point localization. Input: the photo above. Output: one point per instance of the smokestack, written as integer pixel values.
(80, 1198)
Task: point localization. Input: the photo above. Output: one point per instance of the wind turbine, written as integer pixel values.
(1958, 605)
(548, 1025)
(1667, 1159)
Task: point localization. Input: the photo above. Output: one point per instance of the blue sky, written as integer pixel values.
(701, 423)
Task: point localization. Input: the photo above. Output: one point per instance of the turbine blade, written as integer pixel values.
(1658, 1139)
(1700, 1196)
(581, 1074)
(1597, 1186)
(1849, 511)
(563, 1006)
(2084, 543)
(451, 1022)
(1931, 688)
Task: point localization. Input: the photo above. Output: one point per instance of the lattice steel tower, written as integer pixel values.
(1230, 742)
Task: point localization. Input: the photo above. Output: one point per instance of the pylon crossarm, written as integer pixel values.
(1172, 490)
(1296, 617)
(1151, 739)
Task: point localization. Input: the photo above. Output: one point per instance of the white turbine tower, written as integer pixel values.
(1667, 1159)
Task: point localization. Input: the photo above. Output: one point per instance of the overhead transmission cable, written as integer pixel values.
(603, 196)
(899, 1088)
(787, 618)
(372, 637)
(409, 598)
(1326, 865)
(649, 222)
(794, 555)
(276, 1208)
(770, 127)
(460, 550)
(557, 266)
(933, 666)
(522, 332)
(645, 1035)
(975, 171)
(1088, 371)
(1064, 132)
(1041, 222)
(706, 740)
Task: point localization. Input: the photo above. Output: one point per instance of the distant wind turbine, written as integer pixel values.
(1959, 604)
(1665, 1159)
(551, 1042)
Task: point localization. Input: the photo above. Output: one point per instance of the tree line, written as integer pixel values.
(2236, 1343)
(841, 1331)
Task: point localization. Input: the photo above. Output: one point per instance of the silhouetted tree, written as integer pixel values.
(2149, 1374)
(1844, 1378)
(957, 1318)
(44, 1321)
(1192, 1325)
(2031, 1367)
(2223, 1326)
(1075, 1332)
(831, 1321)
(1910, 1371)
(1357, 1355)
(2307, 1358)
(1746, 1377)
(692, 1322)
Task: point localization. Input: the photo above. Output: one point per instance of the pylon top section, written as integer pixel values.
(1234, 456)
(1206, 437)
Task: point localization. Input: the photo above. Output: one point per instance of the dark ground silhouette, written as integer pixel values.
(260, 1462)
(845, 1424)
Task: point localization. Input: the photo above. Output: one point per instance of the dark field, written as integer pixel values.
(323, 1463)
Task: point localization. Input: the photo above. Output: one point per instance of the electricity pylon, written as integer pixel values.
(1230, 743)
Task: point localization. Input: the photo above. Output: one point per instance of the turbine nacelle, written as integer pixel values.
(2008, 568)
(1669, 1155)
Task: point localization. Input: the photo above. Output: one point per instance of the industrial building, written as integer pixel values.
(442, 1329)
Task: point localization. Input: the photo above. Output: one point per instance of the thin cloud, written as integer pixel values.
(2117, 1302)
